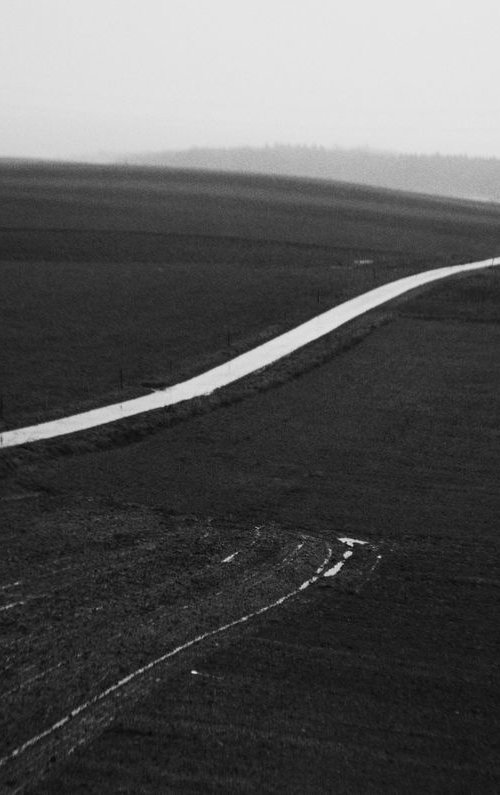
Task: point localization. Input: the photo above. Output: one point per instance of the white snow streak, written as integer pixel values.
(230, 557)
(11, 605)
(145, 668)
(334, 570)
(351, 541)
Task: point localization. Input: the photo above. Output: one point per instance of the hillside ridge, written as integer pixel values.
(459, 176)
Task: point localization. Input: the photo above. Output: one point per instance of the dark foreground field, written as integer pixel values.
(116, 279)
(382, 679)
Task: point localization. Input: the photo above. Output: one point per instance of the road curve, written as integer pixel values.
(240, 366)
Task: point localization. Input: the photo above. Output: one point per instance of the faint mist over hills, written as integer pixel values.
(447, 175)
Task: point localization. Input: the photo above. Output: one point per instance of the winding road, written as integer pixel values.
(241, 366)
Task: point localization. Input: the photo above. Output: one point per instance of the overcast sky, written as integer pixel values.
(82, 76)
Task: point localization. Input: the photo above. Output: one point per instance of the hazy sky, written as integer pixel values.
(82, 76)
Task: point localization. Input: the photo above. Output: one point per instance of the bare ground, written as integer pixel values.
(383, 679)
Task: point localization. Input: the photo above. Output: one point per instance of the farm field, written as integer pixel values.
(116, 279)
(383, 678)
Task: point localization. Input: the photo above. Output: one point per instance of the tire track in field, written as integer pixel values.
(80, 722)
(77, 617)
(80, 614)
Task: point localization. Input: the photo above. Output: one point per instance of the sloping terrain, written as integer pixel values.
(381, 682)
(118, 279)
(96, 598)
(171, 597)
(452, 175)
(269, 357)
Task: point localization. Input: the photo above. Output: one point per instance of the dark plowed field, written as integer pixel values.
(114, 279)
(382, 682)
(99, 603)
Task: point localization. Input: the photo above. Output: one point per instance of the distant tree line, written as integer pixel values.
(446, 175)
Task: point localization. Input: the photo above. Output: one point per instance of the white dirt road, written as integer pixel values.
(241, 366)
